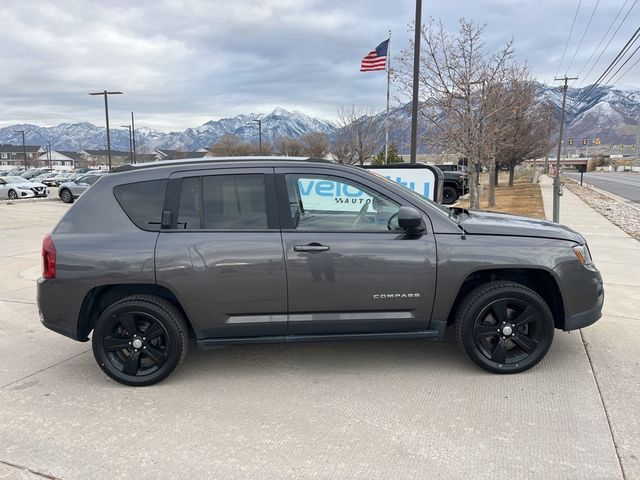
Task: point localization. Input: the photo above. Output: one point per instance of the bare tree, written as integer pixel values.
(232, 146)
(289, 147)
(456, 74)
(316, 144)
(342, 152)
(360, 131)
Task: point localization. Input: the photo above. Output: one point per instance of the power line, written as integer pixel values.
(609, 42)
(568, 38)
(583, 35)
(613, 64)
(603, 37)
(621, 66)
(627, 70)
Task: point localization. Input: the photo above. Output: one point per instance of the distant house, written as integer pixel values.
(13, 155)
(97, 158)
(164, 154)
(61, 160)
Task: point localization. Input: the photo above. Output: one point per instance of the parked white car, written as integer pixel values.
(13, 188)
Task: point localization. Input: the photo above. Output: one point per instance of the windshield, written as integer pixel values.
(436, 206)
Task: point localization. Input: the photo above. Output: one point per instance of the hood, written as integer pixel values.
(492, 223)
(29, 185)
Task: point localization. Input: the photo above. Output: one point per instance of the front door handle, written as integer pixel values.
(312, 247)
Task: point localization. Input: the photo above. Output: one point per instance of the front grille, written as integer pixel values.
(37, 190)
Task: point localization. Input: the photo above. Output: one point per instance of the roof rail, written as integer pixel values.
(191, 161)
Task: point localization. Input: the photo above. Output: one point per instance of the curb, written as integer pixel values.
(50, 198)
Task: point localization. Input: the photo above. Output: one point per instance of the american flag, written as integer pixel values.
(376, 59)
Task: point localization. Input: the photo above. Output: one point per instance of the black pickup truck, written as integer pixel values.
(456, 183)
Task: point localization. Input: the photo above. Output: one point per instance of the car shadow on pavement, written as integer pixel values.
(369, 357)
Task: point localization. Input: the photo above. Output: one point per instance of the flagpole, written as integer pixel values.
(386, 134)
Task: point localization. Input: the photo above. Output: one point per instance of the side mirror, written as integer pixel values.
(410, 219)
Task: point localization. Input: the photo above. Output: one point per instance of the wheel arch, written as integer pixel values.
(539, 280)
(98, 299)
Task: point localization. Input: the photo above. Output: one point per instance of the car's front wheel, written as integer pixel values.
(66, 196)
(12, 195)
(140, 340)
(504, 327)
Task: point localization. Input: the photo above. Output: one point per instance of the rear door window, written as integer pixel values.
(142, 202)
(223, 202)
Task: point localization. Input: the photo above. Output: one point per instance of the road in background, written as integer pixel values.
(623, 184)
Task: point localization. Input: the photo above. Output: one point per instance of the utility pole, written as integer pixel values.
(416, 75)
(259, 121)
(549, 127)
(49, 153)
(106, 114)
(133, 137)
(556, 178)
(635, 155)
(130, 143)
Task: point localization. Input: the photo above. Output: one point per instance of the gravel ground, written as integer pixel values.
(624, 216)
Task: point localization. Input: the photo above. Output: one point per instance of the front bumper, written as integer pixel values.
(32, 193)
(582, 294)
(588, 317)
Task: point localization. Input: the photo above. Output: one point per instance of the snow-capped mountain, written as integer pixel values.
(607, 113)
(77, 136)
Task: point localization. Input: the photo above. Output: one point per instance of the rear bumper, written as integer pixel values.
(58, 310)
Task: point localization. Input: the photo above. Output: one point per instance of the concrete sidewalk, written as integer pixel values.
(613, 343)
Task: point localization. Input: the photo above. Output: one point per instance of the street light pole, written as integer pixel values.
(556, 178)
(133, 138)
(106, 114)
(416, 75)
(24, 149)
(259, 120)
(130, 143)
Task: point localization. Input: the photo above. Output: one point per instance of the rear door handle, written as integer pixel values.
(312, 247)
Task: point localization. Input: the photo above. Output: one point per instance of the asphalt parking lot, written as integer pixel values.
(394, 409)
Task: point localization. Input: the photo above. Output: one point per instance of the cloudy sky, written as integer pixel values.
(181, 63)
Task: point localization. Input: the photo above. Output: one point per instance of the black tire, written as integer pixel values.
(504, 327)
(66, 196)
(449, 195)
(126, 323)
(12, 195)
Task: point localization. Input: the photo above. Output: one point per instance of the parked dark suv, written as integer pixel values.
(292, 250)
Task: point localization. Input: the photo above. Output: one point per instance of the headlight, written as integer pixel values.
(583, 255)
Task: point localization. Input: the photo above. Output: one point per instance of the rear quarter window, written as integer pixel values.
(142, 202)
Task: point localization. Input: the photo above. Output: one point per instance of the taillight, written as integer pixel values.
(48, 258)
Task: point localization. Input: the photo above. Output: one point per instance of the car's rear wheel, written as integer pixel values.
(140, 340)
(12, 195)
(66, 196)
(449, 195)
(504, 327)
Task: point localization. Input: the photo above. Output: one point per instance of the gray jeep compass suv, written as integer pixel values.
(248, 250)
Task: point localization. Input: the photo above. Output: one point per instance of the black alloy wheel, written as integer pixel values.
(504, 327)
(66, 196)
(12, 195)
(140, 340)
(449, 195)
